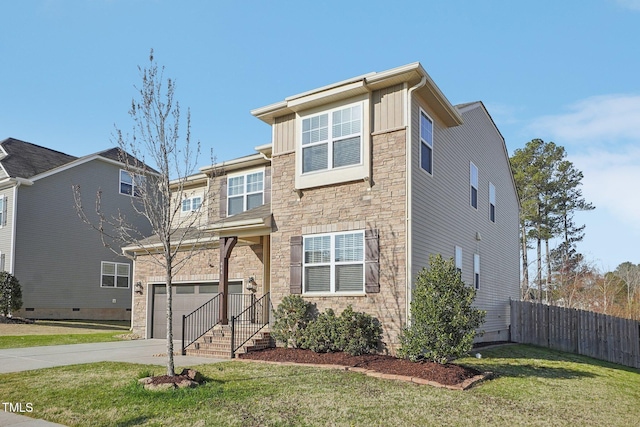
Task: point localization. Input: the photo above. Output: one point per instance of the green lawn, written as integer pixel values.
(39, 340)
(533, 387)
(58, 332)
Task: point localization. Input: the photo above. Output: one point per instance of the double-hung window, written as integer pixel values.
(426, 143)
(114, 275)
(473, 184)
(492, 202)
(332, 139)
(191, 204)
(458, 259)
(333, 263)
(245, 192)
(131, 184)
(476, 271)
(3, 211)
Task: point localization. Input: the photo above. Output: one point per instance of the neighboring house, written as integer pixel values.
(367, 178)
(64, 270)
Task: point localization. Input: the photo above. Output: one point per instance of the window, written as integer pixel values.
(333, 263)
(492, 202)
(3, 211)
(458, 258)
(114, 275)
(333, 139)
(476, 271)
(244, 192)
(131, 184)
(473, 181)
(426, 143)
(191, 204)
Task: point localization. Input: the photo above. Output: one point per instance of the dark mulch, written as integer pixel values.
(448, 374)
(4, 319)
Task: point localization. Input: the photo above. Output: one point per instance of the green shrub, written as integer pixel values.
(443, 321)
(291, 318)
(322, 334)
(360, 333)
(10, 293)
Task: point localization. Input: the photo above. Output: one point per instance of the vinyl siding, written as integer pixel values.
(284, 134)
(388, 106)
(6, 231)
(58, 257)
(442, 217)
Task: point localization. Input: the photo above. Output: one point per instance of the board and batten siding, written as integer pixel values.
(6, 227)
(442, 217)
(388, 108)
(284, 134)
(58, 257)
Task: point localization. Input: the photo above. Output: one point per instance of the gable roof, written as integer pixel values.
(25, 160)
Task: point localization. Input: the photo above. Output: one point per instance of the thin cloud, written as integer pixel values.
(629, 4)
(596, 120)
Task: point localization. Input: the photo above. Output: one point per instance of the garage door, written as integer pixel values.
(186, 298)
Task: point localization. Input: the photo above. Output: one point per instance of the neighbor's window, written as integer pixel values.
(191, 204)
(333, 263)
(426, 142)
(245, 192)
(3, 211)
(458, 258)
(473, 184)
(476, 271)
(492, 202)
(114, 275)
(131, 184)
(332, 139)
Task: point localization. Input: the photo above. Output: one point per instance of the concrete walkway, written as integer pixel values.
(149, 352)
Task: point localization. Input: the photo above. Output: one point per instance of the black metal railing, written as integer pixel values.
(199, 321)
(247, 323)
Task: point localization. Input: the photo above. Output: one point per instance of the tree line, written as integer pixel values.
(549, 189)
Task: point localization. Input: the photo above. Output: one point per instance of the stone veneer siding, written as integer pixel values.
(245, 261)
(343, 207)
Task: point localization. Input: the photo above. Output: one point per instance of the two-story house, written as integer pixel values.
(64, 270)
(363, 180)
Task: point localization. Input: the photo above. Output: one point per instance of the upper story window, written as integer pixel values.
(114, 275)
(333, 263)
(191, 204)
(458, 259)
(492, 202)
(3, 211)
(426, 143)
(473, 184)
(332, 139)
(131, 184)
(245, 192)
(476, 271)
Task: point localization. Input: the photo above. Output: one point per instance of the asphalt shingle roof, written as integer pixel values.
(25, 160)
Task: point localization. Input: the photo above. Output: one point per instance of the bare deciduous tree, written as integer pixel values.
(158, 190)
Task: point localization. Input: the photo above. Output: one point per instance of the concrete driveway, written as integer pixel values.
(149, 352)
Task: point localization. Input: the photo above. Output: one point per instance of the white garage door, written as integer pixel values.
(186, 298)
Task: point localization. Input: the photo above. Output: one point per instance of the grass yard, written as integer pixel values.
(534, 387)
(57, 332)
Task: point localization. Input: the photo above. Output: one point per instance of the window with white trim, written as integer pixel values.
(245, 192)
(332, 139)
(333, 263)
(426, 143)
(473, 185)
(114, 275)
(131, 184)
(3, 211)
(476, 271)
(458, 258)
(492, 203)
(191, 204)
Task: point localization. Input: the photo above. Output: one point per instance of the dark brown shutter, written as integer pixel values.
(267, 185)
(295, 268)
(371, 262)
(223, 197)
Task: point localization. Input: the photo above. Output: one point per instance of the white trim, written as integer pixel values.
(475, 186)
(79, 162)
(245, 193)
(422, 141)
(14, 222)
(333, 263)
(476, 271)
(115, 274)
(458, 257)
(191, 203)
(492, 202)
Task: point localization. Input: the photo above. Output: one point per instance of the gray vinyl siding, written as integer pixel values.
(6, 230)
(284, 134)
(58, 257)
(443, 218)
(388, 107)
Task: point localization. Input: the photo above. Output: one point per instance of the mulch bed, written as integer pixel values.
(14, 320)
(448, 374)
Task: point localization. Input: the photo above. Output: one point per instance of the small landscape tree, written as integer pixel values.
(10, 294)
(443, 320)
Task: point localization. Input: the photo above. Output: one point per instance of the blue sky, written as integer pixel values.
(564, 71)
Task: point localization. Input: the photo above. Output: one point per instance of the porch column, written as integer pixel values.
(226, 246)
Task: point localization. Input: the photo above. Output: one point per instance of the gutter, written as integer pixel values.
(408, 225)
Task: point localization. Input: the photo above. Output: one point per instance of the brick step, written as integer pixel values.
(217, 344)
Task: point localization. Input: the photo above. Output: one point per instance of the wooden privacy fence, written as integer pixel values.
(577, 331)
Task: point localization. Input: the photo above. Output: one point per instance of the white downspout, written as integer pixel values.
(14, 221)
(408, 226)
